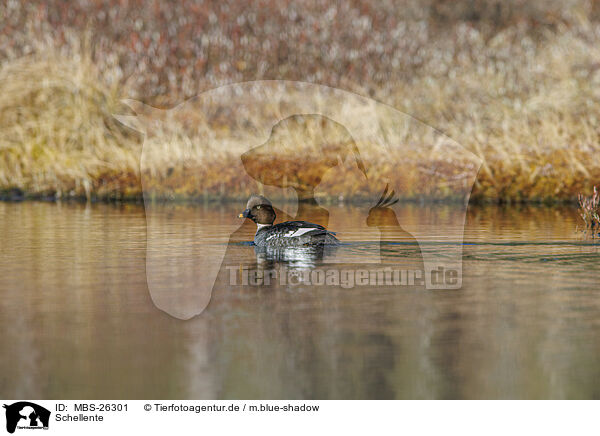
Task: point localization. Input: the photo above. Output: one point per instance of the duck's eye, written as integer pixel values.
(258, 207)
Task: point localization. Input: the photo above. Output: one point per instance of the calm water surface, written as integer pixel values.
(78, 320)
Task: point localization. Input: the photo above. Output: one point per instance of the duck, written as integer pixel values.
(287, 234)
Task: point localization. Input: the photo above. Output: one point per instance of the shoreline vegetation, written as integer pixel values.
(516, 84)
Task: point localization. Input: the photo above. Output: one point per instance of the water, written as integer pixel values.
(78, 320)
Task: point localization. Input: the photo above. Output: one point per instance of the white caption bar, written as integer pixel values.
(301, 417)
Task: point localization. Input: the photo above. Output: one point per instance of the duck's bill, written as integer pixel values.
(245, 214)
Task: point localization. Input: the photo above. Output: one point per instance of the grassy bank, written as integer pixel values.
(517, 86)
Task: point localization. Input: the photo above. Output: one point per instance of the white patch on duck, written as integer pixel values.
(299, 232)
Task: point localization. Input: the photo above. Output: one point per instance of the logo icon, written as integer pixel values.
(26, 415)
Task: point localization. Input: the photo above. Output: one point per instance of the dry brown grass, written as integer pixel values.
(523, 97)
(589, 210)
(533, 119)
(58, 135)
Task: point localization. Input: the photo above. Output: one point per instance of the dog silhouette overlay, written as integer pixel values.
(219, 140)
(32, 415)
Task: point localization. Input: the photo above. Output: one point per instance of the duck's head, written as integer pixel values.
(259, 210)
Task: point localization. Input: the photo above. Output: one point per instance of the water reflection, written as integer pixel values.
(79, 321)
(294, 257)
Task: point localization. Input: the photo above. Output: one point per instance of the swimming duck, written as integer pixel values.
(288, 234)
